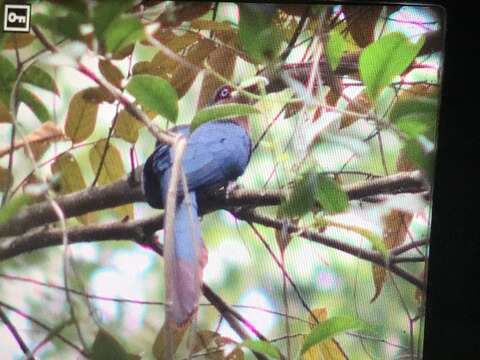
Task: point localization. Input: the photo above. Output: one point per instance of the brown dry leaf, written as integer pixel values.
(361, 21)
(111, 72)
(81, 117)
(236, 354)
(328, 349)
(160, 346)
(146, 67)
(379, 275)
(6, 179)
(395, 229)
(202, 24)
(420, 295)
(71, 179)
(4, 114)
(221, 60)
(184, 76)
(18, 40)
(111, 170)
(294, 9)
(361, 104)
(183, 11)
(97, 95)
(204, 340)
(46, 133)
(127, 127)
(292, 109)
(403, 163)
(123, 52)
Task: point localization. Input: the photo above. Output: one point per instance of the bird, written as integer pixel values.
(216, 154)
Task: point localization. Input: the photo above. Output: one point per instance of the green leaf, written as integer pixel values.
(258, 36)
(301, 199)
(7, 79)
(106, 347)
(12, 207)
(68, 25)
(123, 32)
(155, 94)
(386, 58)
(34, 103)
(223, 111)
(336, 45)
(262, 347)
(106, 12)
(419, 104)
(81, 118)
(309, 189)
(35, 75)
(329, 328)
(330, 195)
(416, 124)
(417, 154)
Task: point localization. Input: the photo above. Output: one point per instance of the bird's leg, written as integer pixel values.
(232, 186)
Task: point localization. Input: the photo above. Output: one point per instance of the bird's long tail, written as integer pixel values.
(186, 262)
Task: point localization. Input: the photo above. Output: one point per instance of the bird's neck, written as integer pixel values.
(243, 122)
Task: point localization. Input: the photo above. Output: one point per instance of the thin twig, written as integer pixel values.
(14, 332)
(43, 326)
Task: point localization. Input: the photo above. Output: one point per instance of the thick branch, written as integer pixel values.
(365, 254)
(124, 192)
(142, 229)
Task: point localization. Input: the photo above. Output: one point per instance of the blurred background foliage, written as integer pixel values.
(68, 120)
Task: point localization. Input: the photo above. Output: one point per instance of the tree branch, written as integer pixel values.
(123, 192)
(365, 254)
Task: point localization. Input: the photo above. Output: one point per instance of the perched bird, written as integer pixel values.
(216, 154)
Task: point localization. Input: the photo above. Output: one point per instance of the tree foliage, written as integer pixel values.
(343, 104)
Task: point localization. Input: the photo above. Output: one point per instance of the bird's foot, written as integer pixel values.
(231, 188)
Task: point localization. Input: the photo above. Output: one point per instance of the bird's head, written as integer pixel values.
(227, 94)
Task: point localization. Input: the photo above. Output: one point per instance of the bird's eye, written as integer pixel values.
(225, 92)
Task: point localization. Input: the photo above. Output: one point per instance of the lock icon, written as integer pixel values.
(16, 18)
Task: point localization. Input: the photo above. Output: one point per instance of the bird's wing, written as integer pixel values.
(217, 152)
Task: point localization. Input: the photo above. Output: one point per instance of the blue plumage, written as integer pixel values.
(217, 152)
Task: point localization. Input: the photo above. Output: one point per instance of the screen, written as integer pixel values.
(216, 180)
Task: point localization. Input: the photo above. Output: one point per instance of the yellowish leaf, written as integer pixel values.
(81, 117)
(71, 179)
(161, 348)
(110, 170)
(127, 127)
(328, 349)
(18, 40)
